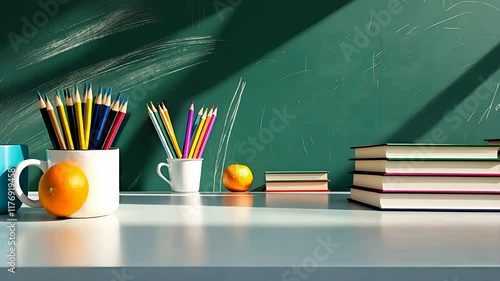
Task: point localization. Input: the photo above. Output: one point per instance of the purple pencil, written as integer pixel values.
(189, 128)
(207, 134)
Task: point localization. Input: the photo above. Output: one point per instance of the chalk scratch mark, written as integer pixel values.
(418, 91)
(465, 139)
(290, 75)
(2, 79)
(332, 91)
(375, 80)
(305, 65)
(226, 132)
(468, 119)
(335, 45)
(371, 67)
(304, 145)
(445, 20)
(311, 140)
(452, 28)
(397, 31)
(263, 60)
(483, 37)
(488, 109)
(371, 20)
(411, 30)
(107, 25)
(262, 117)
(467, 65)
(472, 2)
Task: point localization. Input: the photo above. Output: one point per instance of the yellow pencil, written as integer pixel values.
(88, 116)
(203, 131)
(79, 118)
(197, 134)
(53, 119)
(176, 144)
(164, 119)
(64, 122)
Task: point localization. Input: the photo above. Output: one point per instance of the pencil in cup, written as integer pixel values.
(189, 128)
(116, 125)
(207, 134)
(55, 124)
(199, 128)
(115, 108)
(203, 132)
(95, 117)
(163, 130)
(100, 134)
(64, 121)
(48, 123)
(70, 109)
(160, 134)
(79, 118)
(168, 127)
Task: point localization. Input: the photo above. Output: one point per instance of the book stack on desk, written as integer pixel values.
(427, 177)
(296, 181)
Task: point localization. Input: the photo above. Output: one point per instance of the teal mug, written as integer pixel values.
(10, 156)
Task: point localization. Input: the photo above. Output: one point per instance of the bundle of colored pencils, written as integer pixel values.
(198, 130)
(88, 124)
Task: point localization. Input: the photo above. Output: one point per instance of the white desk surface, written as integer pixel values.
(253, 236)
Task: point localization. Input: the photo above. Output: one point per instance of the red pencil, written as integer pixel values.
(116, 125)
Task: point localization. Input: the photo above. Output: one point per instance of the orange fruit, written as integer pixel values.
(63, 189)
(237, 177)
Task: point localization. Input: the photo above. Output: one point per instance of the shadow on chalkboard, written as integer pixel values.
(454, 94)
(255, 28)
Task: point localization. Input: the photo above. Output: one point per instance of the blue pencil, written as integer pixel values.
(103, 117)
(95, 118)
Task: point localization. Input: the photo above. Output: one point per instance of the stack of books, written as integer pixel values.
(427, 177)
(296, 181)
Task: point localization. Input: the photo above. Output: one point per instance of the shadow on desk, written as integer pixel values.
(330, 201)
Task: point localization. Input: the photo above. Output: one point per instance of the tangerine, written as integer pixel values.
(237, 177)
(63, 189)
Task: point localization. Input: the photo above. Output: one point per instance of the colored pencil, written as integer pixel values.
(70, 109)
(203, 132)
(163, 130)
(79, 118)
(64, 121)
(55, 123)
(88, 115)
(115, 108)
(189, 128)
(95, 117)
(170, 122)
(171, 136)
(84, 106)
(197, 134)
(207, 134)
(158, 131)
(102, 121)
(48, 123)
(116, 124)
(196, 123)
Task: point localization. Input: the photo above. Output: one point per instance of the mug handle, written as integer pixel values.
(17, 187)
(158, 171)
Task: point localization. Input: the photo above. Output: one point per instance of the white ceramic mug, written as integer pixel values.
(103, 174)
(185, 174)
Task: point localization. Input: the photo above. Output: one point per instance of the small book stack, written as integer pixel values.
(296, 181)
(427, 177)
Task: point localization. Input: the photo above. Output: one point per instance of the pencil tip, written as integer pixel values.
(76, 87)
(46, 97)
(118, 96)
(126, 100)
(39, 95)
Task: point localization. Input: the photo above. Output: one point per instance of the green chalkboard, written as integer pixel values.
(318, 76)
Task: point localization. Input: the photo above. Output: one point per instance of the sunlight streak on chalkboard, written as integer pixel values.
(103, 26)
